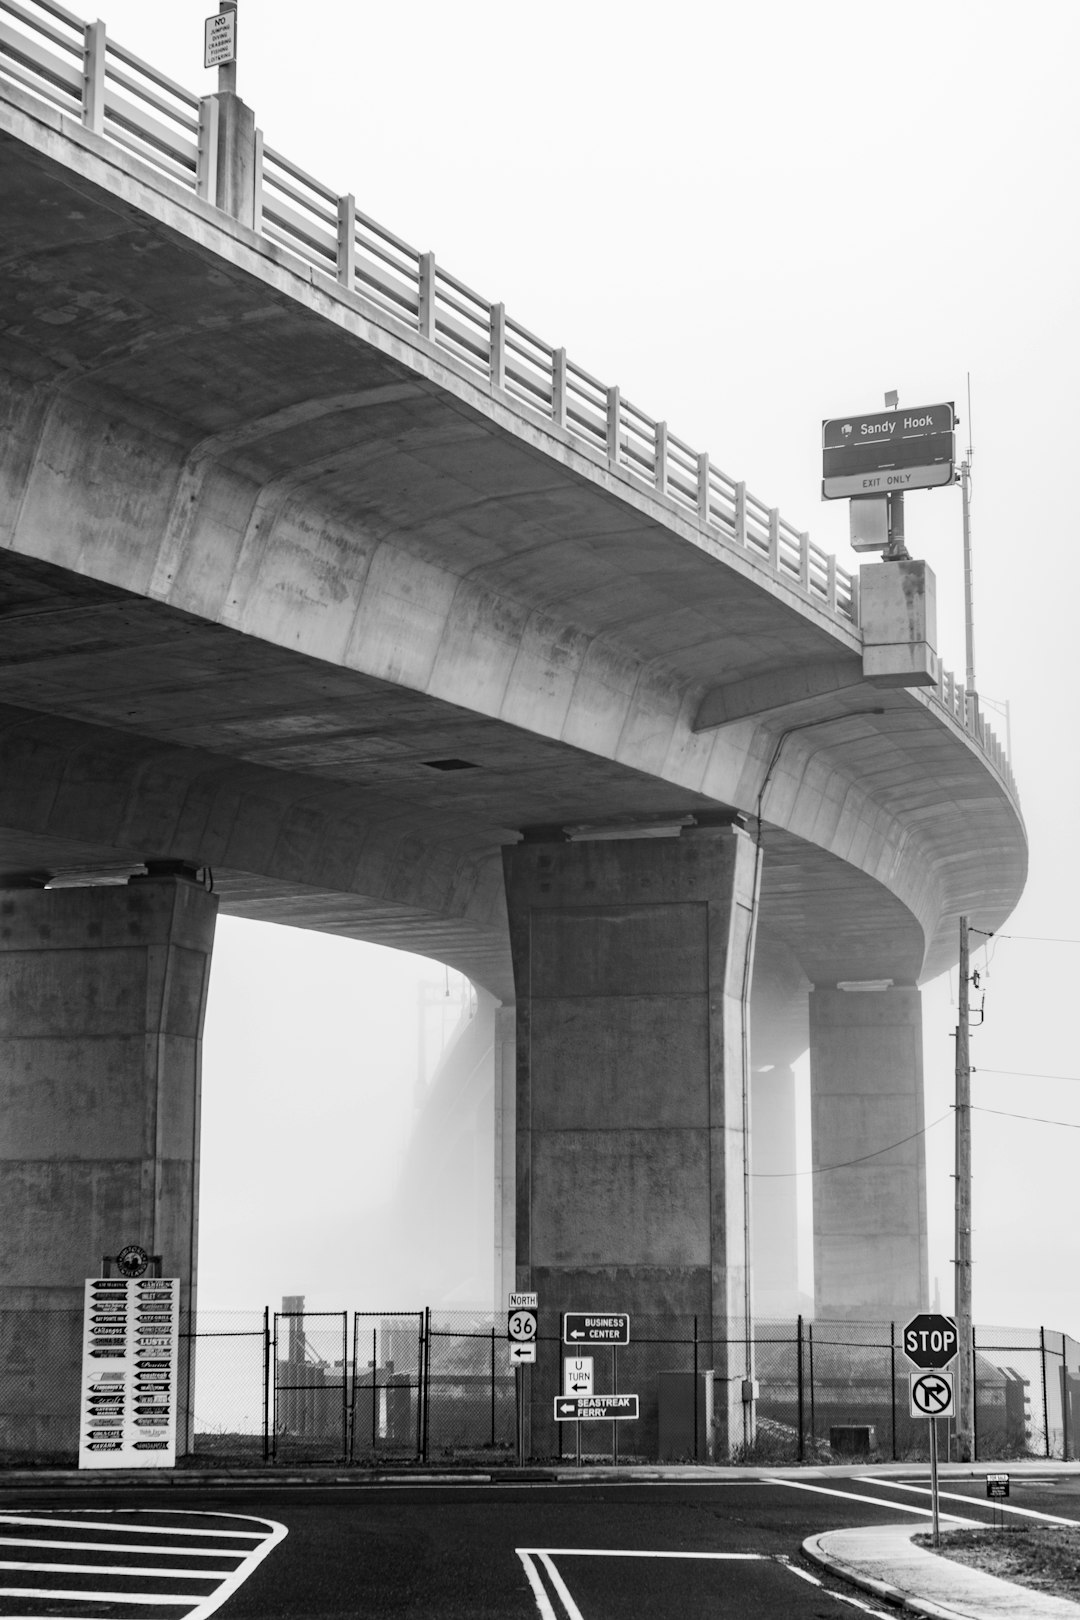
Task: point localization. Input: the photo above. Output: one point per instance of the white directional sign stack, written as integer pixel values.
(521, 1328)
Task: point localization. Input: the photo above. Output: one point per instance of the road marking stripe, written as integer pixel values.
(815, 1580)
(195, 1606)
(138, 1529)
(853, 1496)
(112, 1546)
(572, 1610)
(85, 1596)
(615, 1552)
(992, 1502)
(543, 1602)
(141, 1570)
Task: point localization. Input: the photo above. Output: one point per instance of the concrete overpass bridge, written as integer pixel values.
(323, 575)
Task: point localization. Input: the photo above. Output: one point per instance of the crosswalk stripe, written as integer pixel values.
(131, 1529)
(124, 1569)
(84, 1596)
(111, 1546)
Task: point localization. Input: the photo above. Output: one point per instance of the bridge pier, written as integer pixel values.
(631, 961)
(866, 1092)
(102, 995)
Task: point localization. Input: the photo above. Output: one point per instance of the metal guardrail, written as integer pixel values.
(74, 67)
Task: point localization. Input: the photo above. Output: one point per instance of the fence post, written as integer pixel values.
(740, 514)
(426, 306)
(346, 240)
(273, 1391)
(558, 387)
(1046, 1408)
(93, 92)
(497, 350)
(493, 1386)
(266, 1383)
(799, 1376)
(703, 486)
(892, 1383)
(427, 1382)
(1064, 1403)
(206, 159)
(344, 1387)
(810, 1347)
(696, 1450)
(660, 458)
(614, 413)
(974, 1400)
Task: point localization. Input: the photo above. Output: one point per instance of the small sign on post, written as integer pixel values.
(931, 1341)
(219, 39)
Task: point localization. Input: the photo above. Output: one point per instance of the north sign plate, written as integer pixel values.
(592, 1408)
(596, 1327)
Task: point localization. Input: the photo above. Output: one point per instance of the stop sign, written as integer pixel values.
(931, 1340)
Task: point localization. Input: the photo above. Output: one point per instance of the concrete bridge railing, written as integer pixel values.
(78, 70)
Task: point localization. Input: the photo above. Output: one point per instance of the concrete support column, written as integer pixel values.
(866, 1093)
(505, 1089)
(775, 1206)
(631, 963)
(102, 995)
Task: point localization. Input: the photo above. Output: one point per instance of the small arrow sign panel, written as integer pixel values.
(578, 1375)
(931, 1394)
(596, 1327)
(590, 1408)
(521, 1353)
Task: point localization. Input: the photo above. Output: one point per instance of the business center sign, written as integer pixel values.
(889, 451)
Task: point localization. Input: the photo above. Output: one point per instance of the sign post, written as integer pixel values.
(931, 1342)
(521, 1318)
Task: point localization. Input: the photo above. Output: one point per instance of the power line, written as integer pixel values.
(823, 1170)
(1035, 939)
(1025, 1074)
(1034, 1119)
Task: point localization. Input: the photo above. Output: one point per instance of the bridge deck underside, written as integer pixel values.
(271, 567)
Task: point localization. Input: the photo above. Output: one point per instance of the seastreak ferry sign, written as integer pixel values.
(888, 451)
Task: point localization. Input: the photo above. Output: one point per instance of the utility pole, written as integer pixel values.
(965, 1427)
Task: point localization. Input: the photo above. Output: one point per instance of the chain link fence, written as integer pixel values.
(364, 1387)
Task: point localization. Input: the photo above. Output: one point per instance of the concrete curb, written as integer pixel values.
(880, 1589)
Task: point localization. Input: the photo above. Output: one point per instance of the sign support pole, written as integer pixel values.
(965, 1425)
(226, 73)
(934, 1482)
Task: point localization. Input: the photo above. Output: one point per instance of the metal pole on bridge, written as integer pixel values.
(227, 70)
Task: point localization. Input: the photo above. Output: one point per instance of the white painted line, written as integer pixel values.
(991, 1502)
(853, 1496)
(572, 1610)
(112, 1546)
(142, 1529)
(85, 1596)
(197, 1607)
(124, 1569)
(543, 1602)
(841, 1597)
(617, 1552)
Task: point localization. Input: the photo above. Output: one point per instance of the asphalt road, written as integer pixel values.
(612, 1551)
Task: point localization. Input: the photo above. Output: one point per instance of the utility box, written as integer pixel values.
(898, 611)
(852, 1439)
(680, 1439)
